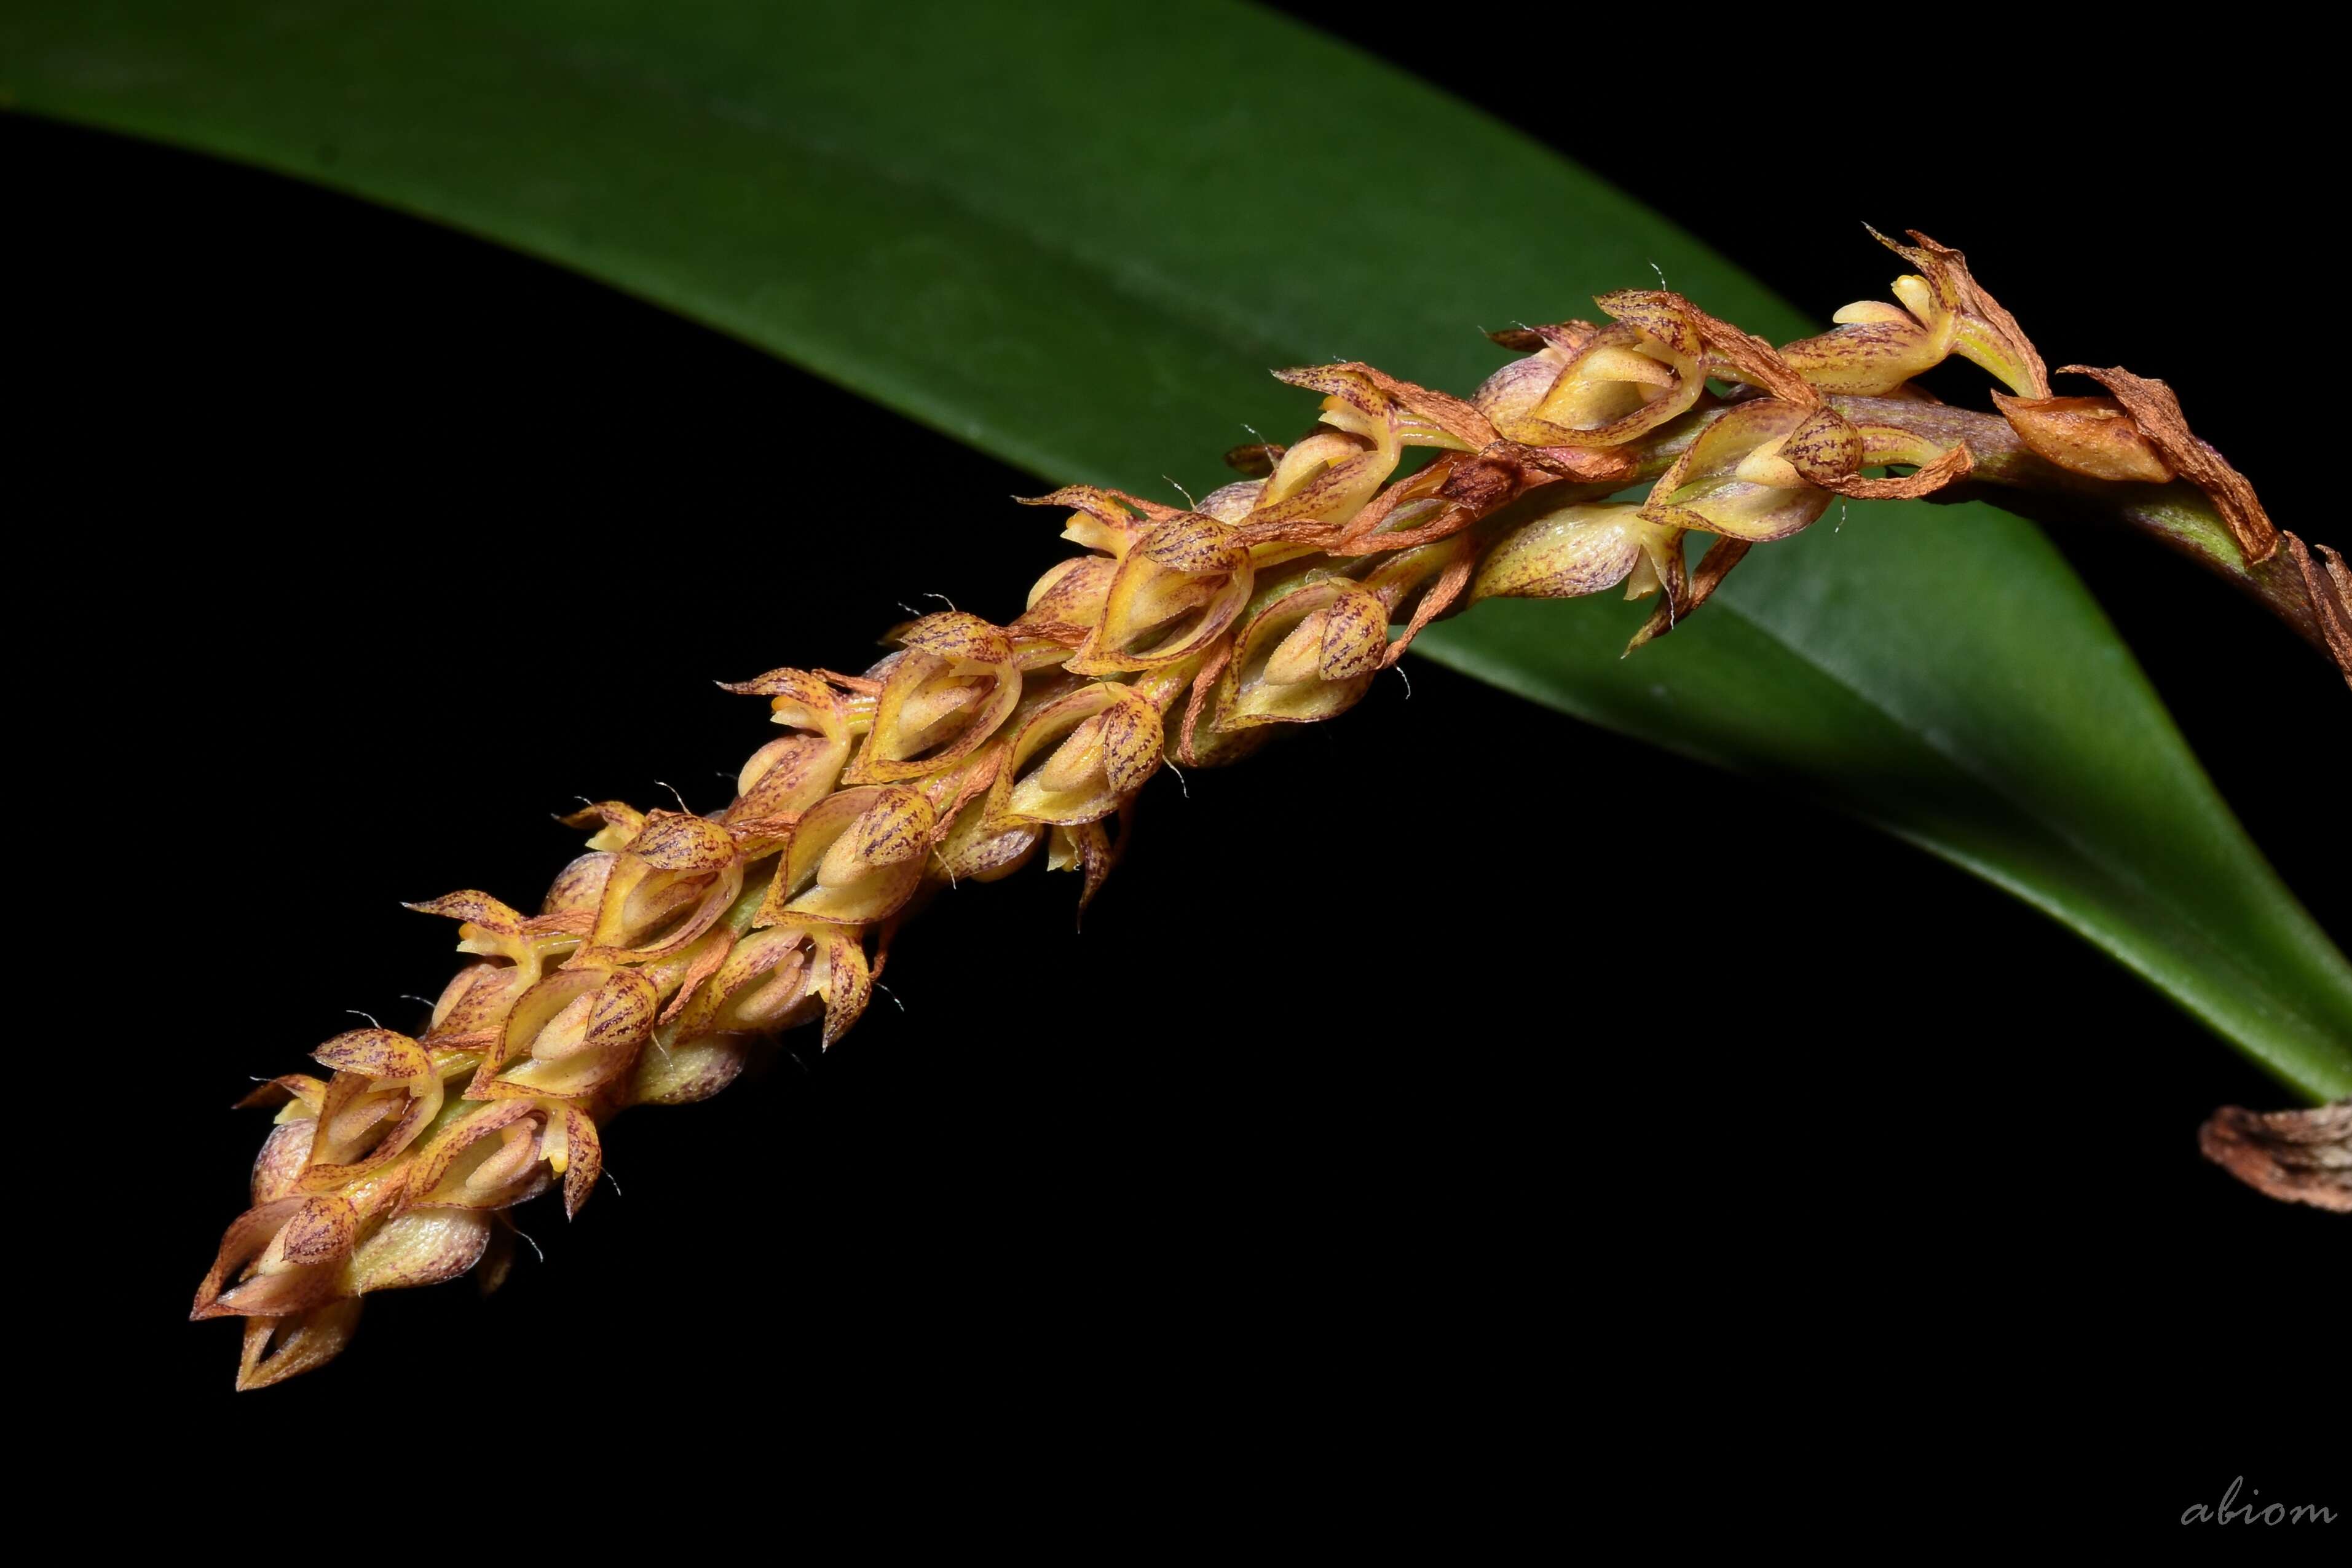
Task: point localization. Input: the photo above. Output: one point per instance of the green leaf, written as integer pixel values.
(1079, 235)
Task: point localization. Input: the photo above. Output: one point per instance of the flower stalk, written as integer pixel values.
(677, 946)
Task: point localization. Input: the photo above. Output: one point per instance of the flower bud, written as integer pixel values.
(278, 1168)
(1233, 503)
(975, 850)
(421, 1247)
(1574, 550)
(686, 1070)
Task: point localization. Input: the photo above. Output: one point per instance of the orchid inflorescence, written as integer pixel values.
(677, 945)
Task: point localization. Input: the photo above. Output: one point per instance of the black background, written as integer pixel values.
(1500, 1174)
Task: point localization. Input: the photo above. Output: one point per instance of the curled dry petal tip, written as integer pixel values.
(2300, 1156)
(2328, 584)
(2157, 413)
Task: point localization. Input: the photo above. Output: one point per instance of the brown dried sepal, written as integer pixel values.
(1566, 336)
(1826, 449)
(2088, 435)
(2329, 584)
(1948, 468)
(1585, 465)
(1195, 743)
(2296, 1157)
(2157, 413)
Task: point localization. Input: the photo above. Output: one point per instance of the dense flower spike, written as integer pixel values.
(671, 950)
